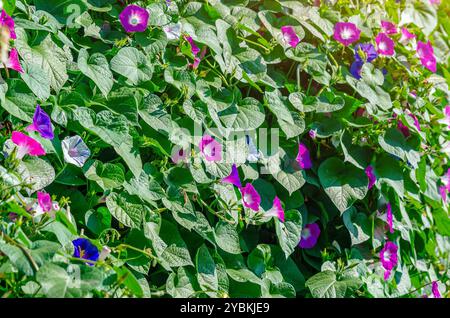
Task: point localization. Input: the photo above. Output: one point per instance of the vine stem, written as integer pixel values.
(23, 249)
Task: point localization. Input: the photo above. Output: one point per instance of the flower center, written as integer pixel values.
(134, 19)
(210, 150)
(387, 255)
(346, 33)
(306, 233)
(248, 199)
(382, 46)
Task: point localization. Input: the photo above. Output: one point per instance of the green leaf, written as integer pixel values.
(37, 172)
(36, 79)
(357, 225)
(359, 156)
(132, 64)
(126, 209)
(326, 284)
(107, 175)
(96, 67)
(343, 183)
(227, 237)
(420, 13)
(396, 144)
(289, 231)
(98, 221)
(206, 271)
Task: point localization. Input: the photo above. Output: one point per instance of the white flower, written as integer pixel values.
(173, 31)
(253, 153)
(75, 151)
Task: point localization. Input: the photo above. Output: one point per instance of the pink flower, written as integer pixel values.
(446, 119)
(425, 52)
(210, 148)
(389, 258)
(406, 36)
(289, 35)
(389, 217)
(346, 33)
(446, 180)
(13, 61)
(435, 290)
(134, 18)
(303, 157)
(403, 129)
(250, 197)
(370, 174)
(312, 133)
(6, 20)
(310, 234)
(443, 193)
(194, 48)
(45, 201)
(26, 145)
(438, 2)
(276, 210)
(179, 154)
(197, 60)
(233, 178)
(385, 45)
(388, 27)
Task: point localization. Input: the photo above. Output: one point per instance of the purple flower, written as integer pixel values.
(425, 52)
(303, 158)
(310, 234)
(438, 2)
(371, 175)
(446, 119)
(312, 133)
(42, 124)
(210, 148)
(403, 129)
(389, 217)
(385, 45)
(435, 290)
(446, 180)
(388, 27)
(45, 201)
(406, 36)
(346, 33)
(389, 258)
(365, 52)
(276, 210)
(443, 193)
(289, 35)
(233, 178)
(194, 48)
(134, 18)
(250, 197)
(355, 69)
(84, 249)
(6, 20)
(75, 151)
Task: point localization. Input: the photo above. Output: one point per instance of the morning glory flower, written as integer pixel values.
(355, 69)
(310, 234)
(446, 119)
(253, 153)
(194, 48)
(346, 33)
(365, 52)
(44, 201)
(385, 45)
(276, 210)
(388, 27)
(250, 197)
(198, 59)
(289, 36)
(389, 217)
(406, 36)
(312, 133)
(233, 178)
(435, 290)
(443, 193)
(425, 52)
(371, 175)
(104, 253)
(303, 158)
(210, 148)
(388, 258)
(26, 145)
(75, 151)
(172, 31)
(8, 22)
(179, 155)
(13, 61)
(438, 2)
(41, 124)
(84, 249)
(134, 18)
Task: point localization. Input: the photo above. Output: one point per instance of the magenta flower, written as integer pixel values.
(179, 155)
(26, 145)
(276, 210)
(6, 20)
(425, 52)
(210, 148)
(443, 193)
(406, 36)
(194, 48)
(388, 27)
(385, 45)
(45, 201)
(389, 217)
(446, 180)
(250, 197)
(435, 290)
(310, 234)
(303, 157)
(371, 175)
(389, 258)
(438, 2)
(41, 124)
(289, 35)
(233, 178)
(446, 119)
(198, 59)
(13, 61)
(403, 129)
(346, 33)
(134, 18)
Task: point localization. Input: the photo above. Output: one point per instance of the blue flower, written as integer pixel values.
(355, 69)
(83, 248)
(365, 52)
